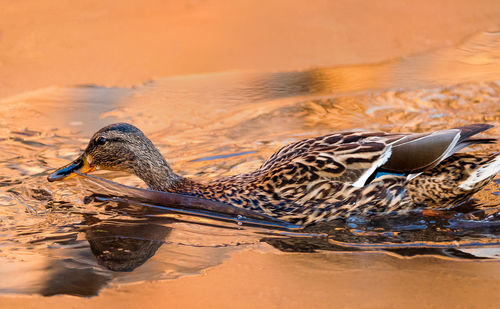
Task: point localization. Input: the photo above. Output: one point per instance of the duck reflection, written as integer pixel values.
(124, 245)
(413, 234)
(125, 236)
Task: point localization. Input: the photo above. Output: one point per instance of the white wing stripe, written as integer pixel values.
(380, 161)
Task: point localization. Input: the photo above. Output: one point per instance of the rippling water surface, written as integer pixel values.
(61, 238)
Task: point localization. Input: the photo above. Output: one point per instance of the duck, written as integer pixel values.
(333, 176)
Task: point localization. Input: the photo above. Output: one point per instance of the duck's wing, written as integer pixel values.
(355, 157)
(415, 153)
(347, 157)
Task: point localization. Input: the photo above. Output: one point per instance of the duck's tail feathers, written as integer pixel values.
(466, 132)
(472, 129)
(474, 141)
(484, 172)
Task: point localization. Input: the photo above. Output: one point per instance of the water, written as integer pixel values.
(61, 238)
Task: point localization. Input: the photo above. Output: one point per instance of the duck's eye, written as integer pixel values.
(100, 140)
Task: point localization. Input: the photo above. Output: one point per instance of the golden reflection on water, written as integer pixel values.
(49, 234)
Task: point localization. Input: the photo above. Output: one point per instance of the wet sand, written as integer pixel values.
(99, 42)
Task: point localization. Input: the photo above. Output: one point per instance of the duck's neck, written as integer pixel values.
(156, 173)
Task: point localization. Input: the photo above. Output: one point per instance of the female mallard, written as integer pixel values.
(319, 178)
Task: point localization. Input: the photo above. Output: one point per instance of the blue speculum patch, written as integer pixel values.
(380, 174)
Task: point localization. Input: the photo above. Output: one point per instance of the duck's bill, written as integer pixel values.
(79, 165)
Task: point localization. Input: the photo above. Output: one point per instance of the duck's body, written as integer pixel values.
(319, 178)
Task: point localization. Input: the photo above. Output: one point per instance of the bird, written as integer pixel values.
(334, 176)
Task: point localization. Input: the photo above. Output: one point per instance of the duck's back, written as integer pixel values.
(329, 175)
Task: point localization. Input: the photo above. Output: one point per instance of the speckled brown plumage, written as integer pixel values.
(320, 178)
(440, 186)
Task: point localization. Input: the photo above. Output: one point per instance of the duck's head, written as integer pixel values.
(120, 147)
